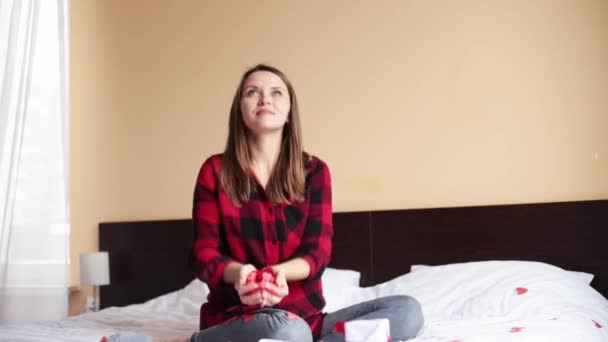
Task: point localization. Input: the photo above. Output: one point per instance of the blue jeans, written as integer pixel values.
(267, 323)
(403, 312)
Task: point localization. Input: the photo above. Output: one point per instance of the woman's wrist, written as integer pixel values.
(276, 268)
(294, 269)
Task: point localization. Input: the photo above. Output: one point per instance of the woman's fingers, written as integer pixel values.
(280, 278)
(244, 273)
(264, 293)
(271, 299)
(255, 297)
(249, 294)
(275, 293)
(246, 289)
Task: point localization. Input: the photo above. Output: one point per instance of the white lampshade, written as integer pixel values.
(94, 268)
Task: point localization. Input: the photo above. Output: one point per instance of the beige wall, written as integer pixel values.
(411, 103)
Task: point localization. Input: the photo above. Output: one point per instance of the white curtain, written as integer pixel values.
(34, 217)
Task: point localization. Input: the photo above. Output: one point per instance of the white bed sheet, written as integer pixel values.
(499, 301)
(475, 302)
(169, 316)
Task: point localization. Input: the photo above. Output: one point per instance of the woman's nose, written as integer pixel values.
(264, 98)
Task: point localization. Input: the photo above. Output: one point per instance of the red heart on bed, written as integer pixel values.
(521, 290)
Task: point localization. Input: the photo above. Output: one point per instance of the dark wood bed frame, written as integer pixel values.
(149, 258)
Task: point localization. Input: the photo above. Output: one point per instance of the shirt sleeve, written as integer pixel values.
(208, 261)
(316, 245)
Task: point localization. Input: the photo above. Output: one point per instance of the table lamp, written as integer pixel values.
(94, 271)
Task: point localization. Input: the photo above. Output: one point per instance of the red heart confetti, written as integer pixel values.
(248, 317)
(517, 329)
(339, 327)
(597, 324)
(261, 277)
(521, 290)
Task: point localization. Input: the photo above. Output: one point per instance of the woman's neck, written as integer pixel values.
(264, 151)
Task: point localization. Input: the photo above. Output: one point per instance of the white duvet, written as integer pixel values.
(490, 301)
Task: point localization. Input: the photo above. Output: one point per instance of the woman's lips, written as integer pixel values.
(264, 111)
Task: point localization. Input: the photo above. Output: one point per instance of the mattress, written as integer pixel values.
(490, 301)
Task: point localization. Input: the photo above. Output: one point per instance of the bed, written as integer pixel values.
(525, 272)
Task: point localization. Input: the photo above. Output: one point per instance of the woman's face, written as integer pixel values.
(265, 102)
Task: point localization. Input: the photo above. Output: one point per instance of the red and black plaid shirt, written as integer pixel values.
(262, 234)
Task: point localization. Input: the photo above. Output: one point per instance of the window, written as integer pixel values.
(34, 174)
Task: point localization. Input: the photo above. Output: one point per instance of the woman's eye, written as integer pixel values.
(251, 92)
(277, 92)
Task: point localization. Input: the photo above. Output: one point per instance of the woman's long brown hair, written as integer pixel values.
(287, 178)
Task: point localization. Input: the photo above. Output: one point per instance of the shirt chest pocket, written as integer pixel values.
(294, 218)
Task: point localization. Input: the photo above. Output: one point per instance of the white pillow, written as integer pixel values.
(488, 289)
(186, 300)
(333, 277)
(337, 283)
(584, 277)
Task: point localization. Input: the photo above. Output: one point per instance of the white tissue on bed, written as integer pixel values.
(373, 330)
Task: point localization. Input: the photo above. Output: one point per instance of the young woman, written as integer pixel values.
(264, 207)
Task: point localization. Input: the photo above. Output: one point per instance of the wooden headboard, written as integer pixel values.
(149, 258)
